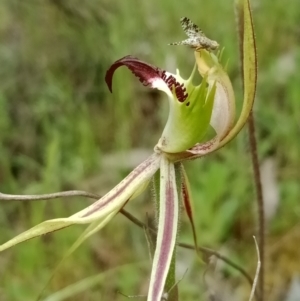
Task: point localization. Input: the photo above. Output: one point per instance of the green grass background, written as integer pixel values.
(61, 129)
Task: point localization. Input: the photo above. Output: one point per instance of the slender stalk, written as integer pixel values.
(49, 196)
(260, 203)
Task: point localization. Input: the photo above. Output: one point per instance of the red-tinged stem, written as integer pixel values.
(260, 203)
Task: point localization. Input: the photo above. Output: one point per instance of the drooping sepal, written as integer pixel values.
(167, 230)
(105, 208)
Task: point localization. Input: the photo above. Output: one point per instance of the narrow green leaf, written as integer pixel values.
(87, 284)
(150, 236)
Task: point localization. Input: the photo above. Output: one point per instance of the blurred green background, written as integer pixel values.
(61, 129)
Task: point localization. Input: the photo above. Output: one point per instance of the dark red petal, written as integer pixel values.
(145, 72)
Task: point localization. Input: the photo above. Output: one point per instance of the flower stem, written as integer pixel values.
(260, 202)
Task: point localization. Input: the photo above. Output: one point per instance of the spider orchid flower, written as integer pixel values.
(192, 111)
